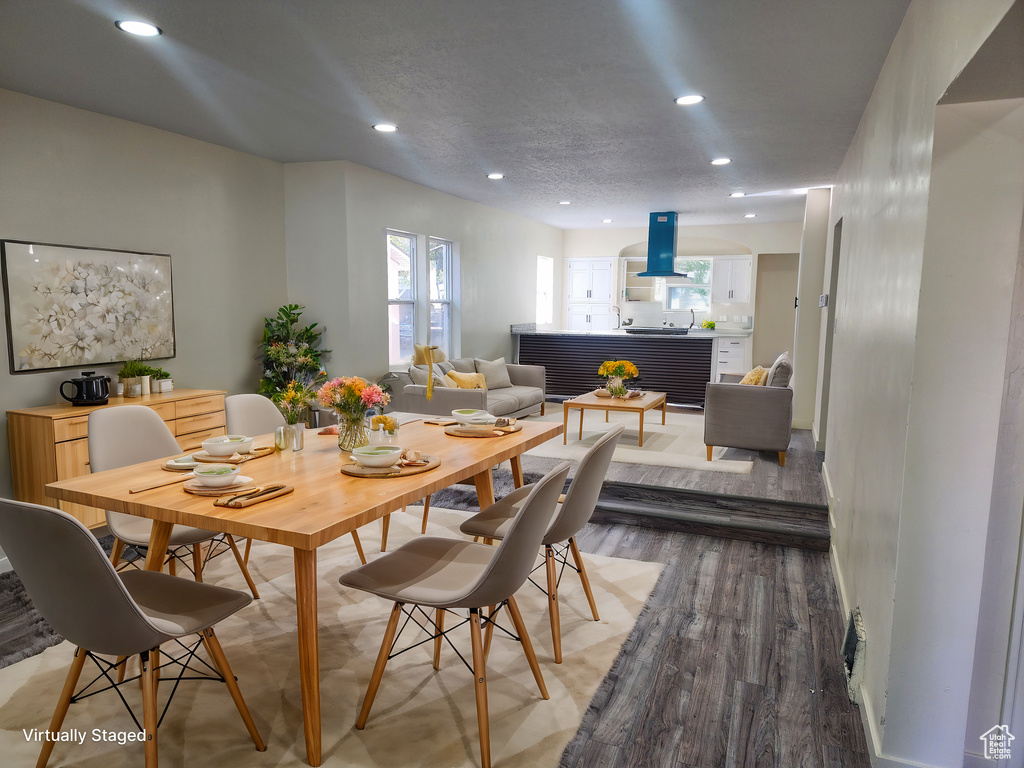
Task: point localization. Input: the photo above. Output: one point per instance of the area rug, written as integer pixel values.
(680, 443)
(420, 718)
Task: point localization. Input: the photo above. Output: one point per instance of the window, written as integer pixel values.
(545, 290)
(421, 294)
(692, 292)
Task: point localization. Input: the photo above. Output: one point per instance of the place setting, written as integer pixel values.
(388, 461)
(226, 449)
(471, 422)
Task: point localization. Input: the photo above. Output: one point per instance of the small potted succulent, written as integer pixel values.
(162, 381)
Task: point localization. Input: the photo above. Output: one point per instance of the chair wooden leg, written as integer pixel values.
(426, 511)
(241, 566)
(378, 668)
(524, 639)
(710, 449)
(116, 552)
(542, 408)
(245, 555)
(480, 683)
(556, 627)
(122, 666)
(385, 525)
(172, 565)
(150, 714)
(438, 628)
(197, 561)
(492, 614)
(216, 652)
(782, 458)
(359, 547)
(578, 558)
(63, 703)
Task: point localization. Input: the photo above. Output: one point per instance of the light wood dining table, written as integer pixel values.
(325, 505)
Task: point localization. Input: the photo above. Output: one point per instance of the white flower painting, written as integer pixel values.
(69, 307)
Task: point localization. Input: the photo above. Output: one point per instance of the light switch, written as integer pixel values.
(823, 300)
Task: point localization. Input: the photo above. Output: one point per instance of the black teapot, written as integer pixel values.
(89, 390)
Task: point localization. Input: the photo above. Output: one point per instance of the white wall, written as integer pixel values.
(808, 315)
(882, 194)
(337, 216)
(78, 178)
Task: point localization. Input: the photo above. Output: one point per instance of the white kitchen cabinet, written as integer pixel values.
(730, 281)
(591, 317)
(591, 280)
(732, 355)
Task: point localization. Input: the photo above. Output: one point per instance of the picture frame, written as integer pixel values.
(70, 306)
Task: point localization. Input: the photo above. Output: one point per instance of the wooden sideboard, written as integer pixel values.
(50, 443)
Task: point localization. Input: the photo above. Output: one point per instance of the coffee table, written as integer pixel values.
(592, 402)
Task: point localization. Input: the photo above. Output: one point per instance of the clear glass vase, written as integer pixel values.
(351, 432)
(616, 386)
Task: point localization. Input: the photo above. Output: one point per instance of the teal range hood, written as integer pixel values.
(661, 246)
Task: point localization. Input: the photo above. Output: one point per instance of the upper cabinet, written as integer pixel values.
(632, 287)
(591, 280)
(730, 280)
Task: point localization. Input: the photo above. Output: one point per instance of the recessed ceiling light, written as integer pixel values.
(565, 202)
(686, 101)
(721, 161)
(385, 127)
(140, 28)
(495, 176)
(750, 216)
(606, 221)
(738, 194)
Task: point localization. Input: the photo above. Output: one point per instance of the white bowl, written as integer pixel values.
(473, 416)
(377, 455)
(215, 475)
(225, 445)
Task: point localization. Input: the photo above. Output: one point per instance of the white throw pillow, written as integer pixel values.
(781, 371)
(495, 372)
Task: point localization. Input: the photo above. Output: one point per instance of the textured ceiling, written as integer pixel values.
(571, 99)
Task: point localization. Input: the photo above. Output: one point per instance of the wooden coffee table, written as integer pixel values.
(638, 405)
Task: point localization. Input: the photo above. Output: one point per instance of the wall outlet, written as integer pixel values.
(823, 300)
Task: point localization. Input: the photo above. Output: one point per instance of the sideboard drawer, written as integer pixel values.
(193, 441)
(184, 408)
(70, 429)
(165, 410)
(199, 423)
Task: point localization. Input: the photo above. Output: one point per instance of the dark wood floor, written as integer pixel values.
(735, 662)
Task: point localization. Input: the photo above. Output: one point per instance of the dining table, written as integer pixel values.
(325, 505)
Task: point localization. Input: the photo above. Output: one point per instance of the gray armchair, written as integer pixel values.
(757, 418)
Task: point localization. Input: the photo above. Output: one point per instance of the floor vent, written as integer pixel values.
(853, 654)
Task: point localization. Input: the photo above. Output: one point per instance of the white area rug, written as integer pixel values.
(420, 717)
(680, 443)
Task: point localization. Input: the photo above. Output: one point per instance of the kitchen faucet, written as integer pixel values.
(693, 318)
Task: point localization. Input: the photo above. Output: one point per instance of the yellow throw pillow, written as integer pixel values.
(467, 380)
(756, 376)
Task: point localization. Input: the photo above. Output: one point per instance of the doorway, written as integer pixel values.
(776, 316)
(827, 331)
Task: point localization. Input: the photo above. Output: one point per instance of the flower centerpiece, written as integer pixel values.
(617, 372)
(293, 400)
(350, 397)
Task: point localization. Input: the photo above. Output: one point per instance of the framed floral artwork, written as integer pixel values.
(68, 306)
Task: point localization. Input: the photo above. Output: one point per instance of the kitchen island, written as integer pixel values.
(679, 365)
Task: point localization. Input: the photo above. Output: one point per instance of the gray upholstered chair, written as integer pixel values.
(754, 417)
(447, 574)
(560, 539)
(88, 603)
(251, 415)
(130, 434)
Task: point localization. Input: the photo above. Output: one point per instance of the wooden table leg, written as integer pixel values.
(158, 540)
(484, 489)
(582, 411)
(641, 429)
(565, 423)
(664, 408)
(517, 471)
(309, 650)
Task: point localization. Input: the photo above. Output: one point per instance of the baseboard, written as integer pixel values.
(837, 576)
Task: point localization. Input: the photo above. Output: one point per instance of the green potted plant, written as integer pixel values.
(290, 353)
(130, 376)
(162, 381)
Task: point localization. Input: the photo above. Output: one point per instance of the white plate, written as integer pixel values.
(182, 462)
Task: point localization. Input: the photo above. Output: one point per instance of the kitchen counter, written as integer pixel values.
(700, 333)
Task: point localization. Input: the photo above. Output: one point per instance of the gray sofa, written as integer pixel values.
(755, 417)
(524, 397)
